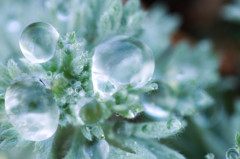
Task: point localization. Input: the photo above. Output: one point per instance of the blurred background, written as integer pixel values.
(219, 21)
(212, 19)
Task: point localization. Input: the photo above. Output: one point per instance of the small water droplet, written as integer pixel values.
(49, 74)
(232, 154)
(82, 93)
(31, 109)
(131, 114)
(155, 111)
(121, 128)
(210, 156)
(64, 10)
(102, 136)
(68, 49)
(97, 149)
(38, 42)
(70, 91)
(156, 103)
(91, 112)
(174, 125)
(119, 62)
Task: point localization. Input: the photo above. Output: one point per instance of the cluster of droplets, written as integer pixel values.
(30, 104)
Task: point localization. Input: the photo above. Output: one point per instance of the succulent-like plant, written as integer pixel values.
(127, 123)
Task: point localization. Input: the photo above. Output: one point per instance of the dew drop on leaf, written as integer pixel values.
(232, 154)
(31, 108)
(174, 125)
(97, 149)
(64, 10)
(38, 42)
(91, 112)
(210, 156)
(156, 103)
(121, 61)
(155, 111)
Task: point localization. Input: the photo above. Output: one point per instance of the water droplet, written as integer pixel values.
(91, 112)
(49, 74)
(119, 62)
(232, 154)
(174, 125)
(102, 85)
(97, 149)
(38, 42)
(155, 111)
(70, 91)
(82, 93)
(31, 109)
(158, 101)
(210, 156)
(102, 136)
(123, 128)
(64, 10)
(68, 49)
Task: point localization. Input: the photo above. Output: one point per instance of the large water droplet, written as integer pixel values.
(31, 109)
(119, 62)
(232, 154)
(38, 42)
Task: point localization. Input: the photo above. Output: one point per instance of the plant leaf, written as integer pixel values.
(8, 136)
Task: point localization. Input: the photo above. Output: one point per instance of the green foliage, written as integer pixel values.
(43, 148)
(131, 147)
(9, 136)
(157, 129)
(238, 140)
(158, 27)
